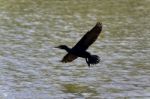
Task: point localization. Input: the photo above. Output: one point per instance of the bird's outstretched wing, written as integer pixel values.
(89, 37)
(84, 43)
(69, 58)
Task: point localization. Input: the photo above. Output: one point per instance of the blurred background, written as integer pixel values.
(29, 63)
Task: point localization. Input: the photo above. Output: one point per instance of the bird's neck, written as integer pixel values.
(67, 49)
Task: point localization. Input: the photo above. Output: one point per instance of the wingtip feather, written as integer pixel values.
(99, 24)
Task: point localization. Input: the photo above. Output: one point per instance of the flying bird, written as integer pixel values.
(79, 50)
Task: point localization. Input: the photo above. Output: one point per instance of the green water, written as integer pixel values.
(30, 67)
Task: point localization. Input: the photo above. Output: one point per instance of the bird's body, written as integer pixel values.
(79, 50)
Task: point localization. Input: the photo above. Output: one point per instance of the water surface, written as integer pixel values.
(30, 67)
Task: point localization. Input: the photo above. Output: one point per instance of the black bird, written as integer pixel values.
(79, 50)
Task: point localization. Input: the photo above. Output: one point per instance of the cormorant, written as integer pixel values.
(79, 50)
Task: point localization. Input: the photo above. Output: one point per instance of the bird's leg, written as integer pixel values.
(87, 61)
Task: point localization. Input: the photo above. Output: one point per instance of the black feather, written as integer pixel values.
(79, 50)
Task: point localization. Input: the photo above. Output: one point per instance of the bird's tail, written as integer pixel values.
(93, 59)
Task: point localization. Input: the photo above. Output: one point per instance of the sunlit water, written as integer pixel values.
(30, 67)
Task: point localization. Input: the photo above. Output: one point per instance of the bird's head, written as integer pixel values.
(61, 47)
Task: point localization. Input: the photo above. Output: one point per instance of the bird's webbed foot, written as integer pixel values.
(93, 59)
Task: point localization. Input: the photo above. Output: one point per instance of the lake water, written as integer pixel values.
(30, 67)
